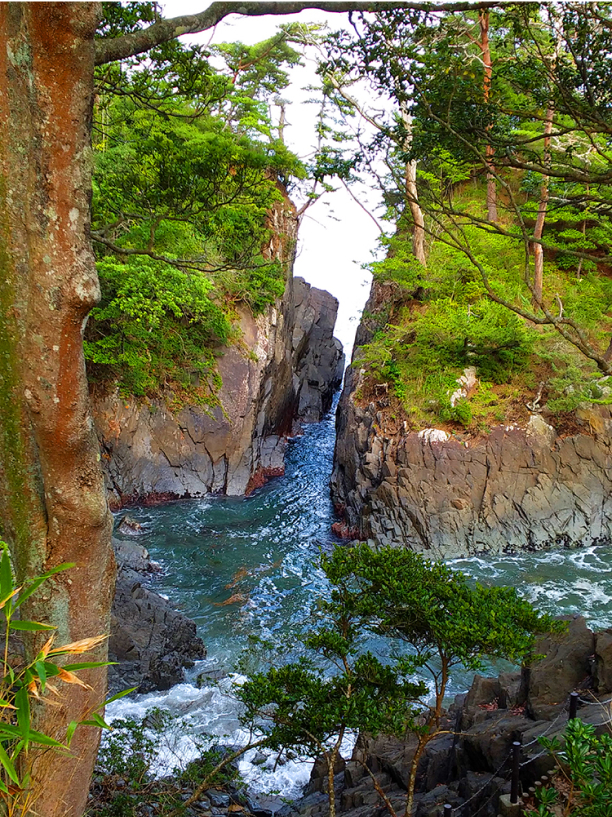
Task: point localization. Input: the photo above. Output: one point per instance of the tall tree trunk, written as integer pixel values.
(53, 504)
(483, 20)
(418, 231)
(412, 195)
(538, 252)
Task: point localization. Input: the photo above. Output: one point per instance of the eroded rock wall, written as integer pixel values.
(284, 371)
(516, 488)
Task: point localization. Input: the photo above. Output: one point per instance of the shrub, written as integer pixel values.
(26, 680)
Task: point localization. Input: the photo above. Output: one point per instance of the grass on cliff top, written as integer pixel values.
(441, 321)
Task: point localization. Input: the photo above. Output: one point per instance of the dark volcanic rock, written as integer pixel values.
(603, 660)
(517, 487)
(566, 667)
(152, 641)
(468, 764)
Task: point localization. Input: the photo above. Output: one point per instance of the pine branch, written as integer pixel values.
(138, 42)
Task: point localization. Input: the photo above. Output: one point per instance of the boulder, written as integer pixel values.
(152, 642)
(565, 667)
(603, 661)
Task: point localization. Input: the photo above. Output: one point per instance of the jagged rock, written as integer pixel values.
(285, 371)
(566, 666)
(318, 775)
(515, 488)
(130, 527)
(468, 764)
(603, 659)
(152, 641)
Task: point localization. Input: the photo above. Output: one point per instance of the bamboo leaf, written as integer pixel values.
(22, 702)
(71, 678)
(30, 626)
(8, 766)
(70, 732)
(117, 696)
(96, 720)
(9, 597)
(44, 740)
(6, 575)
(39, 666)
(89, 665)
(58, 569)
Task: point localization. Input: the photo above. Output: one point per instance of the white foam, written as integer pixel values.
(213, 711)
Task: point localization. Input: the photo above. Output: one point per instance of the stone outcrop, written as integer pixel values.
(469, 766)
(152, 642)
(284, 371)
(517, 487)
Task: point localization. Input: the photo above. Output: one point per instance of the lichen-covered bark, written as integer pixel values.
(53, 506)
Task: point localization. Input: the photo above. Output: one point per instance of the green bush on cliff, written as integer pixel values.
(441, 321)
(155, 327)
(187, 173)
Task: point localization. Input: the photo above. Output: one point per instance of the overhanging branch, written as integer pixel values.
(138, 42)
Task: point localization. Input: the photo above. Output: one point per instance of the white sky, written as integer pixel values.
(336, 236)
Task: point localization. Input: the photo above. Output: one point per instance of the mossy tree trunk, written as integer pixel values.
(53, 505)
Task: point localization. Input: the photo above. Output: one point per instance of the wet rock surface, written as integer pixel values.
(284, 372)
(152, 642)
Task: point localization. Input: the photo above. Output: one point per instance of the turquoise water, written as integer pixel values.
(242, 567)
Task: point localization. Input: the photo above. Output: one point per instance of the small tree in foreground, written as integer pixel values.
(443, 620)
(309, 705)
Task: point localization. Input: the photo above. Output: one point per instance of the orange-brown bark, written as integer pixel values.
(53, 506)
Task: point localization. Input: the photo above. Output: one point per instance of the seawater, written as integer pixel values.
(243, 567)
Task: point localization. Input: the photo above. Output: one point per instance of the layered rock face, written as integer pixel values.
(518, 487)
(284, 371)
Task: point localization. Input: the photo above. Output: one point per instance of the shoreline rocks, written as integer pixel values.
(471, 762)
(152, 641)
(449, 494)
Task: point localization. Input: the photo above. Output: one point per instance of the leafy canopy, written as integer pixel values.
(188, 170)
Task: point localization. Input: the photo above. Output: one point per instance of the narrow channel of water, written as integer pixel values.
(242, 567)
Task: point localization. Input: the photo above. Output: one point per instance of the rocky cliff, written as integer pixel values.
(283, 371)
(436, 490)
(150, 640)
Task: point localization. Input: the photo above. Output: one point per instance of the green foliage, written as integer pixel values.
(585, 763)
(155, 327)
(125, 784)
(27, 681)
(485, 336)
(471, 93)
(443, 620)
(435, 609)
(187, 172)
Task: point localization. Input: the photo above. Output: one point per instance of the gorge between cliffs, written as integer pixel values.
(243, 566)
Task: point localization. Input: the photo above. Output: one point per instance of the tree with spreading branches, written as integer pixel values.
(53, 506)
